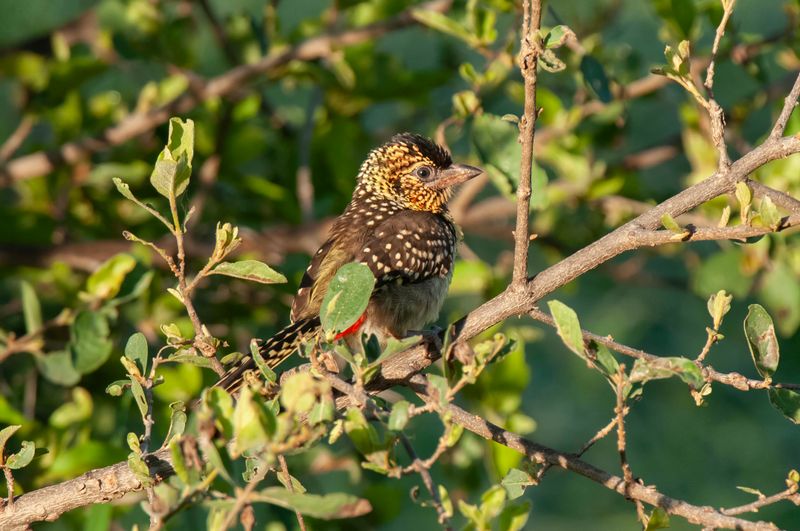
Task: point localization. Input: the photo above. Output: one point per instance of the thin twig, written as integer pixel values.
(422, 468)
(735, 380)
(789, 103)
(726, 14)
(243, 496)
(290, 487)
(621, 411)
(530, 48)
(15, 140)
(538, 453)
(789, 494)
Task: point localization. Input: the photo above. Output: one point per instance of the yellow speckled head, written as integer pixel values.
(412, 171)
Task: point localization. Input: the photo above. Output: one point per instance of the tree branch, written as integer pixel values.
(530, 48)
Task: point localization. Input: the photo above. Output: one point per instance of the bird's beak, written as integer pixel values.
(455, 174)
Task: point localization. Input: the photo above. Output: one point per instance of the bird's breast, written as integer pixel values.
(398, 308)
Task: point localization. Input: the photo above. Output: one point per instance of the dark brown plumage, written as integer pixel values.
(398, 225)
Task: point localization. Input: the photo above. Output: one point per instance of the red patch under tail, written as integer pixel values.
(355, 326)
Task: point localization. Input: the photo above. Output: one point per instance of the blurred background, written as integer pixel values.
(277, 153)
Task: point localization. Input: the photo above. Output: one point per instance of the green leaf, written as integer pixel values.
(347, 297)
(659, 519)
(495, 141)
(140, 470)
(266, 371)
(293, 484)
(594, 76)
(718, 306)
(645, 370)
(189, 356)
(327, 507)
(107, 280)
(323, 411)
(568, 327)
(362, 433)
(606, 362)
(253, 424)
(31, 308)
(556, 37)
(745, 198)
(220, 402)
(439, 383)
(89, 341)
(492, 501)
(74, 412)
(780, 291)
(393, 346)
(769, 213)
(515, 483)
(138, 396)
(787, 402)
(177, 420)
(761, 339)
(179, 463)
(214, 458)
(249, 270)
(399, 415)
(173, 168)
(136, 351)
(23, 457)
(299, 392)
(670, 224)
(5, 435)
(117, 387)
(124, 189)
(445, 24)
(57, 367)
(515, 516)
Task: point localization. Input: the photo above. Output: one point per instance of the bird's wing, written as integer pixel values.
(333, 254)
(410, 246)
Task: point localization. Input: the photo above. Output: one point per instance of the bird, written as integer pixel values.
(399, 226)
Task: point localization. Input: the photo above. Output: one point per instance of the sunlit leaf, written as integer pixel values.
(107, 280)
(347, 297)
(57, 367)
(23, 457)
(568, 327)
(89, 341)
(31, 308)
(327, 507)
(761, 339)
(515, 483)
(136, 351)
(399, 415)
(249, 270)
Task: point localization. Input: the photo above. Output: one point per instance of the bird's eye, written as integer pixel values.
(424, 172)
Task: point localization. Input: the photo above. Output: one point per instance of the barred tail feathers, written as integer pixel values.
(274, 350)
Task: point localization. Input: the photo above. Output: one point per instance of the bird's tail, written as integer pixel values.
(274, 350)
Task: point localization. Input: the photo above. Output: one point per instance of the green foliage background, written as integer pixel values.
(56, 227)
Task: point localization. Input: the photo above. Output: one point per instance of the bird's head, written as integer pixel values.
(412, 171)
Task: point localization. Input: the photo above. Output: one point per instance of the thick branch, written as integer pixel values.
(96, 486)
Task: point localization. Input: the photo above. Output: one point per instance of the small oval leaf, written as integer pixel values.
(250, 270)
(762, 340)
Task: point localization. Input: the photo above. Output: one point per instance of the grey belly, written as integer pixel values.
(397, 309)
